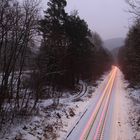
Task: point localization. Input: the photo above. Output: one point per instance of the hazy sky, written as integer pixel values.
(107, 17)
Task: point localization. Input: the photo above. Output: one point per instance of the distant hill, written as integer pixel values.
(114, 53)
(113, 43)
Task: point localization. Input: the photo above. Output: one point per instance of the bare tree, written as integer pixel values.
(18, 26)
(134, 7)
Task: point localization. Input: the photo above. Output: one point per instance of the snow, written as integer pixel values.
(134, 111)
(124, 111)
(86, 105)
(121, 125)
(56, 123)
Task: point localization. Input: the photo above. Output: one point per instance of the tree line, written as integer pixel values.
(18, 24)
(129, 55)
(68, 53)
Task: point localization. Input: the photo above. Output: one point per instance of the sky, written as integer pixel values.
(109, 18)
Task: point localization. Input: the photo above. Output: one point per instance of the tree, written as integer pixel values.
(102, 57)
(66, 54)
(79, 51)
(54, 45)
(17, 28)
(96, 40)
(135, 7)
(130, 57)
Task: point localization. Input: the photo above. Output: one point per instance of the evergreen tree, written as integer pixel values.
(80, 49)
(54, 42)
(67, 55)
(129, 56)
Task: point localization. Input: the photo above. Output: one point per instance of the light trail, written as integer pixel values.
(103, 115)
(105, 94)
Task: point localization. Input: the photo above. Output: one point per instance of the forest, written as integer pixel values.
(42, 56)
(129, 54)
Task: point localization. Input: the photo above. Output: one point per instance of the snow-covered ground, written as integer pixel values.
(133, 98)
(126, 112)
(54, 123)
(121, 128)
(57, 123)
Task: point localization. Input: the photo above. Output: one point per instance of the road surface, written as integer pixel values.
(98, 121)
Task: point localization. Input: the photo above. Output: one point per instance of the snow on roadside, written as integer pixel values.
(55, 123)
(81, 106)
(134, 111)
(127, 111)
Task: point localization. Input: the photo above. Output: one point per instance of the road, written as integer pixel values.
(97, 122)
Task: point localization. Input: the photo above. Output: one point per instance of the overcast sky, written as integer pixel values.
(107, 17)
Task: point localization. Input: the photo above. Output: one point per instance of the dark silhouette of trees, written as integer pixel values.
(53, 47)
(129, 55)
(80, 50)
(17, 29)
(67, 55)
(134, 7)
(102, 58)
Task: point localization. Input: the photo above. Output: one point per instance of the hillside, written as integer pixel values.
(113, 43)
